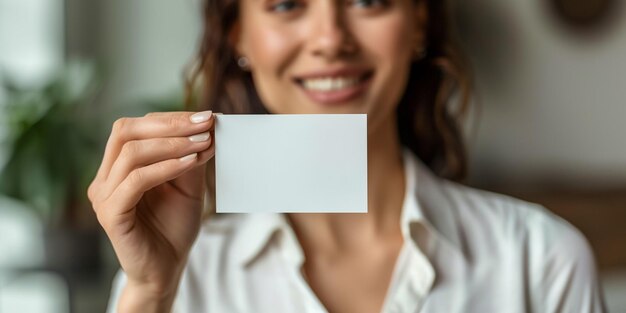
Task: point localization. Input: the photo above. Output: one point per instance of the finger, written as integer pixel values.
(129, 192)
(139, 153)
(170, 124)
(193, 181)
(206, 155)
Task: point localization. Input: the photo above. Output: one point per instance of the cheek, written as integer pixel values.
(388, 38)
(270, 50)
(267, 47)
(266, 43)
(390, 33)
(389, 45)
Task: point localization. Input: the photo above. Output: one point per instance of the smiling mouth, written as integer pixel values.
(332, 83)
(335, 89)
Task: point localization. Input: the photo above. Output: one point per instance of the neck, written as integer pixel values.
(386, 183)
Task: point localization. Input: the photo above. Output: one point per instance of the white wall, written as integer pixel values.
(553, 102)
(145, 45)
(31, 48)
(31, 40)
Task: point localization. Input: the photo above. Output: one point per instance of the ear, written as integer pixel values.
(234, 41)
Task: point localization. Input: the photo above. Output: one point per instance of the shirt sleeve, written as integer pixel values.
(119, 281)
(565, 271)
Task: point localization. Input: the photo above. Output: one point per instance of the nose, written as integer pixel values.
(331, 36)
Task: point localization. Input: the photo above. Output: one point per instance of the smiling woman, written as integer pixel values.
(427, 243)
(338, 57)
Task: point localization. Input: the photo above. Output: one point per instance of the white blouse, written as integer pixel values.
(465, 250)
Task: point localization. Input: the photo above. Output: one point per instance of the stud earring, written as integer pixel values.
(243, 63)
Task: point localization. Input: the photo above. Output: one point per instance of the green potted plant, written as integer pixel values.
(52, 148)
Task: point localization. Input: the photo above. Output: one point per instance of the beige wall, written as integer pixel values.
(553, 101)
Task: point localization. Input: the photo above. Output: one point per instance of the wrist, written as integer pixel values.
(146, 298)
(157, 283)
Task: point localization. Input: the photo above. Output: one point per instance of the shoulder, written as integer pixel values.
(516, 223)
(553, 255)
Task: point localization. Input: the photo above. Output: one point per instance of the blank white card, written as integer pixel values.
(291, 163)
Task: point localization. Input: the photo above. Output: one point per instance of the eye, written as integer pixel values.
(285, 6)
(369, 3)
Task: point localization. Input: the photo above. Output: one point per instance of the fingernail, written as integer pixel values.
(189, 157)
(200, 137)
(201, 117)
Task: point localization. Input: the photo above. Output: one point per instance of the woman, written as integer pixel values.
(442, 247)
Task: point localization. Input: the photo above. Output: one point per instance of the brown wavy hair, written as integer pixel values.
(427, 124)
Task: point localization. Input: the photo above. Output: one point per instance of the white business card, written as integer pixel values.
(291, 163)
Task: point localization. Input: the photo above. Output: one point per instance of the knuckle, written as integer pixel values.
(173, 144)
(130, 149)
(120, 124)
(174, 122)
(95, 193)
(91, 192)
(135, 180)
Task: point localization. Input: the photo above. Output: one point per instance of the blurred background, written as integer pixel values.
(549, 124)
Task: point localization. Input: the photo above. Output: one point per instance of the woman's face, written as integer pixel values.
(330, 56)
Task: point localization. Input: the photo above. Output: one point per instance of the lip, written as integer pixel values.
(336, 97)
(334, 72)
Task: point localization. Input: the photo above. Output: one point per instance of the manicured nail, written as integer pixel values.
(200, 137)
(190, 157)
(201, 117)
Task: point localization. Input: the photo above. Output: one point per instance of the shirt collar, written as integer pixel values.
(256, 232)
(426, 218)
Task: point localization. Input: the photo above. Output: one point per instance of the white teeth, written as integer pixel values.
(329, 83)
